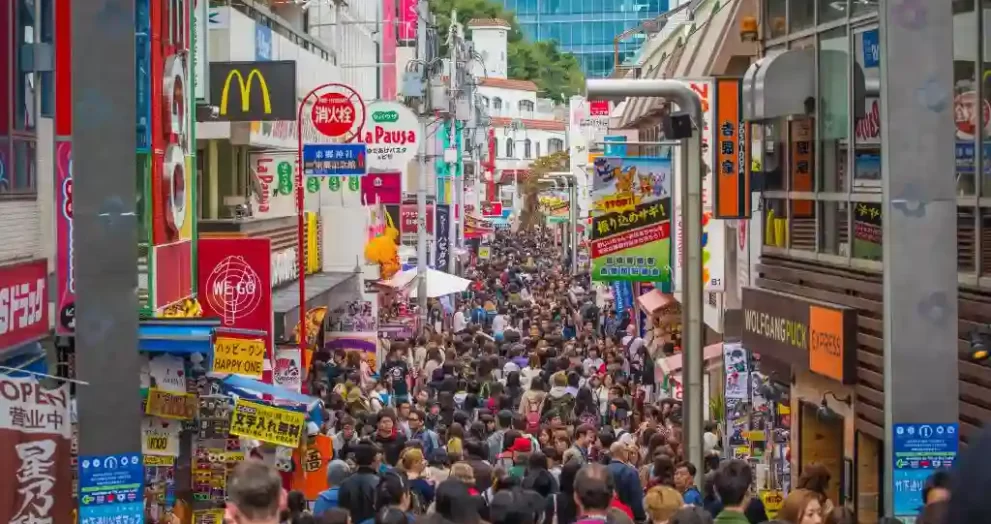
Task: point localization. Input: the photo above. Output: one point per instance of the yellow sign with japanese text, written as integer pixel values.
(267, 424)
(169, 404)
(159, 460)
(239, 356)
(773, 500)
(618, 202)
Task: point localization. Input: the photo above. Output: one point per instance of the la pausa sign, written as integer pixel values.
(392, 135)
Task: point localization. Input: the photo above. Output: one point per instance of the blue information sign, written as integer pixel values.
(334, 159)
(919, 449)
(111, 489)
(871, 48)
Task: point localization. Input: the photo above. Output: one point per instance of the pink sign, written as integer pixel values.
(388, 90)
(65, 278)
(407, 19)
(381, 188)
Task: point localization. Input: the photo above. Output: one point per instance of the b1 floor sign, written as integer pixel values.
(285, 266)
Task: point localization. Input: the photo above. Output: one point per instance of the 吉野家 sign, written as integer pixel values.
(247, 91)
(812, 335)
(267, 424)
(335, 159)
(239, 356)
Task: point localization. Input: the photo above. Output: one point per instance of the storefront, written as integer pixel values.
(811, 346)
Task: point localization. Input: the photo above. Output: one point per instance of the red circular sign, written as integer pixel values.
(334, 115)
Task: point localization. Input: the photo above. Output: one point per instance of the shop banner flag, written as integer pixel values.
(631, 234)
(278, 426)
(35, 449)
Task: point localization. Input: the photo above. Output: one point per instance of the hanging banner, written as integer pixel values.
(35, 449)
(238, 356)
(288, 369)
(442, 246)
(731, 177)
(266, 423)
(632, 245)
(392, 135)
(311, 462)
(235, 279)
(65, 292)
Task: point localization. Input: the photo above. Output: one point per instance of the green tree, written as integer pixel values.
(531, 187)
(557, 74)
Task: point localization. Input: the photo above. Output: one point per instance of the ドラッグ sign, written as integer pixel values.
(392, 134)
(23, 303)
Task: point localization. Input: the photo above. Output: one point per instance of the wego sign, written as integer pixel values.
(254, 91)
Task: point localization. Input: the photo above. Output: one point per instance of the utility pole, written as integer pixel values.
(423, 11)
(453, 43)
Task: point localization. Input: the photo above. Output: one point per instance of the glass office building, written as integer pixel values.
(586, 27)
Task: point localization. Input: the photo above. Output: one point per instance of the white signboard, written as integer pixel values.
(288, 371)
(392, 133)
(201, 56)
(285, 266)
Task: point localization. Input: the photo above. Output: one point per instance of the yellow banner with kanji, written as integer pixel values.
(267, 424)
(239, 356)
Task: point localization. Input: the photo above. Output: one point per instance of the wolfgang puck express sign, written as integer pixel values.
(807, 334)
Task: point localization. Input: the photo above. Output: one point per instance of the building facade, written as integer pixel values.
(587, 29)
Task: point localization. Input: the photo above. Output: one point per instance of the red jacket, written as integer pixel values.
(616, 503)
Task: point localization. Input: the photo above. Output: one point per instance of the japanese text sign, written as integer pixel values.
(169, 404)
(111, 487)
(239, 356)
(409, 218)
(23, 303)
(731, 180)
(267, 424)
(918, 450)
(392, 135)
(35, 449)
(334, 159)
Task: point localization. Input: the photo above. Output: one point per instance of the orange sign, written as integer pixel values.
(311, 461)
(802, 164)
(731, 185)
(826, 342)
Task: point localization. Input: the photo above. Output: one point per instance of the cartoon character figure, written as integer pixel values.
(658, 186)
(646, 186)
(604, 172)
(624, 180)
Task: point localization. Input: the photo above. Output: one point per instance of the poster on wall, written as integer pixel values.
(354, 327)
(630, 237)
(867, 230)
(737, 371)
(65, 292)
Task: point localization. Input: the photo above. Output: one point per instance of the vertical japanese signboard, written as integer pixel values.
(731, 178)
(441, 244)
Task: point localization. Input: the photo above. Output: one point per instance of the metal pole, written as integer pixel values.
(574, 226)
(421, 184)
(105, 227)
(691, 179)
(452, 227)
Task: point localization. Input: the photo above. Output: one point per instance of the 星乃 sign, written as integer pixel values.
(239, 356)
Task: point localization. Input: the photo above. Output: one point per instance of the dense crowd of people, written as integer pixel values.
(524, 401)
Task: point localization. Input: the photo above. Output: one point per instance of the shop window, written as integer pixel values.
(985, 151)
(862, 7)
(831, 10)
(968, 110)
(25, 89)
(775, 232)
(834, 232)
(967, 238)
(867, 222)
(832, 109)
(801, 163)
(20, 178)
(801, 14)
(867, 129)
(776, 25)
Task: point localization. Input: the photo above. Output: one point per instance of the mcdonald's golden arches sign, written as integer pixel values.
(246, 91)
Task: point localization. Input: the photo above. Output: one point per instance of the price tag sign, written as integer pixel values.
(171, 405)
(267, 424)
(239, 356)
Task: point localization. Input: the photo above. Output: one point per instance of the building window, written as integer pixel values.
(485, 101)
(833, 114)
(775, 19)
(555, 145)
(510, 153)
(526, 106)
(537, 150)
(20, 173)
(801, 14)
(526, 148)
(497, 104)
(24, 90)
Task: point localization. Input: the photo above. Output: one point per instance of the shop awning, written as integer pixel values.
(177, 336)
(254, 388)
(654, 300)
(26, 360)
(329, 289)
(674, 363)
(439, 283)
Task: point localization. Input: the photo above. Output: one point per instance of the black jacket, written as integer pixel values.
(391, 447)
(357, 494)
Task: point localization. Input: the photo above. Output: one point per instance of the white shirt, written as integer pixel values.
(498, 324)
(592, 366)
(460, 324)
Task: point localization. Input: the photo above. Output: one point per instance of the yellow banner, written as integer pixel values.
(168, 404)
(773, 500)
(312, 243)
(267, 423)
(239, 356)
(617, 203)
(159, 460)
(483, 252)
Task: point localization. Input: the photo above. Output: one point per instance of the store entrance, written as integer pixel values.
(821, 442)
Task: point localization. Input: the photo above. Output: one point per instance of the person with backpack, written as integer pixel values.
(560, 400)
(532, 405)
(504, 421)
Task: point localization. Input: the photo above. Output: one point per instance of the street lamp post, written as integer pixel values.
(691, 215)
